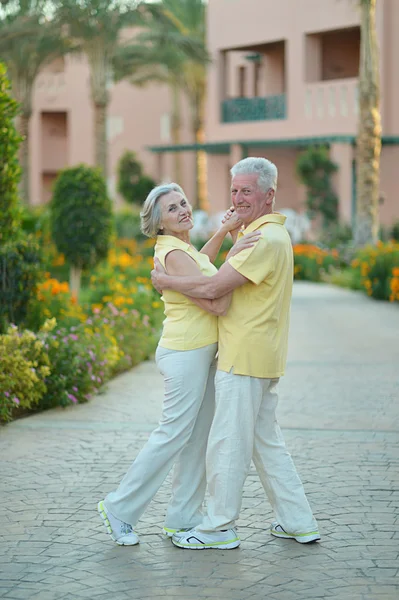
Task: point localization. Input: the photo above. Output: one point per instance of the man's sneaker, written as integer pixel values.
(302, 538)
(120, 532)
(171, 532)
(198, 540)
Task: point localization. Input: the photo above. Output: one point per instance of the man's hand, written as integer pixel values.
(247, 241)
(158, 275)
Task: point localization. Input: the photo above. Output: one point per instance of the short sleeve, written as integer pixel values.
(256, 263)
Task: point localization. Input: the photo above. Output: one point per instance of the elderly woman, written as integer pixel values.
(185, 357)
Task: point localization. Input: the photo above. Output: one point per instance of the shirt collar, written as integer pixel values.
(172, 242)
(270, 218)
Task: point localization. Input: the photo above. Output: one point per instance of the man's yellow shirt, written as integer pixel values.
(253, 336)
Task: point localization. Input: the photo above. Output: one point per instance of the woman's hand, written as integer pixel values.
(247, 241)
(230, 222)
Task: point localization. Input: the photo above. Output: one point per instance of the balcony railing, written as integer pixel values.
(269, 108)
(332, 99)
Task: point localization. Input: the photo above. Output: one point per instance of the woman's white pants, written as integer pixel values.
(245, 427)
(180, 438)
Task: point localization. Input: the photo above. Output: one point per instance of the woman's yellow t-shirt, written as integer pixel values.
(187, 326)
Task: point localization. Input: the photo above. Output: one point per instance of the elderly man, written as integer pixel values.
(253, 340)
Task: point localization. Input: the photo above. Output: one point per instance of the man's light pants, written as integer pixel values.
(181, 436)
(244, 428)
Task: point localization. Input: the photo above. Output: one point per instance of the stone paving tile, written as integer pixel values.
(340, 419)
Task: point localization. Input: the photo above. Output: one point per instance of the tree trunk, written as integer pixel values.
(201, 171)
(21, 87)
(23, 130)
(369, 131)
(100, 137)
(74, 281)
(175, 131)
(198, 112)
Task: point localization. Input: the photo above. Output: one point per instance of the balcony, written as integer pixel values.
(269, 108)
(332, 100)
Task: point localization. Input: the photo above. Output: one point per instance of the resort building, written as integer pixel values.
(284, 75)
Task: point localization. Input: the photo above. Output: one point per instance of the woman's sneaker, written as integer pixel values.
(198, 540)
(302, 538)
(120, 532)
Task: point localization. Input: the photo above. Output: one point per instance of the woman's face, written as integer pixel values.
(176, 214)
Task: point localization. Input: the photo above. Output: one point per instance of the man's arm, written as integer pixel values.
(181, 265)
(224, 282)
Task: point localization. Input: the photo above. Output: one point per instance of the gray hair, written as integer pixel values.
(150, 215)
(265, 169)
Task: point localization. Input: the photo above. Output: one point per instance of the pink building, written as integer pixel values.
(284, 75)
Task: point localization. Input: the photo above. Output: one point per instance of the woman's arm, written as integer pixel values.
(230, 224)
(181, 264)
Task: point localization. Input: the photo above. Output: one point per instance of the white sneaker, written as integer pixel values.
(302, 538)
(171, 532)
(198, 540)
(120, 532)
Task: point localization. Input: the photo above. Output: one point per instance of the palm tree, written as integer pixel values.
(369, 130)
(161, 65)
(97, 27)
(28, 42)
(175, 20)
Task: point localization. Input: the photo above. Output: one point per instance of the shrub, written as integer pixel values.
(395, 232)
(315, 169)
(311, 262)
(377, 268)
(133, 185)
(24, 368)
(127, 225)
(81, 360)
(53, 300)
(10, 171)
(20, 271)
(136, 334)
(81, 219)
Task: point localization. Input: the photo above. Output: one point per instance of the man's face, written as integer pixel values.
(249, 201)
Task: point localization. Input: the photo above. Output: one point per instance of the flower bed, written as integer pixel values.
(311, 262)
(68, 351)
(376, 269)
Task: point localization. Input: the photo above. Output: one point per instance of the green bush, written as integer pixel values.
(10, 171)
(377, 270)
(127, 225)
(36, 220)
(311, 263)
(315, 169)
(24, 368)
(20, 272)
(81, 361)
(133, 185)
(81, 219)
(395, 232)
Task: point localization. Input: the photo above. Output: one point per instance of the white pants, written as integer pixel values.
(181, 436)
(244, 428)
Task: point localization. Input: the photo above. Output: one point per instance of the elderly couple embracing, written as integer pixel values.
(222, 352)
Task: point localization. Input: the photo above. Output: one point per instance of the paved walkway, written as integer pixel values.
(339, 413)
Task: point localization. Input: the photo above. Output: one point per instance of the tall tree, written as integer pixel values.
(100, 28)
(369, 130)
(175, 20)
(28, 42)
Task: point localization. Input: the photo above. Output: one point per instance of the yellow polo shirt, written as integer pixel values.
(253, 336)
(187, 326)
